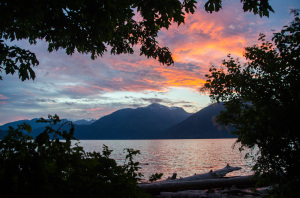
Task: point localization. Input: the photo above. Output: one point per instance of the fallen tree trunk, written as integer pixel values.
(170, 186)
(218, 193)
(210, 175)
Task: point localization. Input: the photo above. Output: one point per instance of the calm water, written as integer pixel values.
(184, 157)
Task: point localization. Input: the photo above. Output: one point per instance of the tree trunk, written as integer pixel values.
(171, 186)
(210, 175)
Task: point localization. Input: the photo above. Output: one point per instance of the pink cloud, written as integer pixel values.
(28, 92)
(118, 79)
(78, 90)
(10, 118)
(211, 36)
(95, 109)
(2, 97)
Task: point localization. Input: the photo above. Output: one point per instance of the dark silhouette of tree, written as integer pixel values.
(93, 26)
(262, 101)
(49, 167)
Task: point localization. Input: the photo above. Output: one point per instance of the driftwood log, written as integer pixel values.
(219, 193)
(210, 175)
(212, 179)
(156, 188)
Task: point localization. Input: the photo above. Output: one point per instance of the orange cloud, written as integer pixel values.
(207, 37)
(180, 78)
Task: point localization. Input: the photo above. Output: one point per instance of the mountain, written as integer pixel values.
(84, 122)
(199, 126)
(32, 123)
(152, 122)
(140, 123)
(37, 128)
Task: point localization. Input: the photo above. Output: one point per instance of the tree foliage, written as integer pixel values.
(93, 26)
(261, 7)
(262, 100)
(45, 167)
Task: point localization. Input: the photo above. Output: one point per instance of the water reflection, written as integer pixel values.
(185, 157)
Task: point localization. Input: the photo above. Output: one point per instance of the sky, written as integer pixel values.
(77, 87)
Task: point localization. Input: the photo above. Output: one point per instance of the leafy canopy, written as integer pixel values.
(93, 26)
(51, 167)
(262, 100)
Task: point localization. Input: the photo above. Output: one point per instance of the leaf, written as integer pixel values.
(42, 138)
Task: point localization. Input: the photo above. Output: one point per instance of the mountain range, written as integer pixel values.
(35, 125)
(152, 122)
(200, 125)
(140, 123)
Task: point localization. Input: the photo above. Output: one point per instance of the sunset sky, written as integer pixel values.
(76, 87)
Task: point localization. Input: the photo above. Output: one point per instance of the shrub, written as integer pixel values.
(53, 167)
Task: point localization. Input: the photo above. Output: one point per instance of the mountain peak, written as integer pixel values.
(156, 106)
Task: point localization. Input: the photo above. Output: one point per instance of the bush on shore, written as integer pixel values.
(49, 167)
